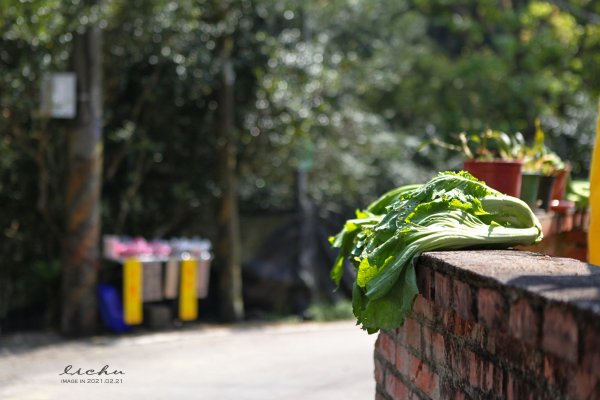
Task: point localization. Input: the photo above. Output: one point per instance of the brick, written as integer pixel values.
(591, 351)
(488, 381)
(474, 369)
(415, 364)
(395, 388)
(459, 395)
(425, 379)
(379, 373)
(466, 341)
(427, 338)
(471, 331)
(447, 318)
(424, 281)
(491, 309)
(460, 326)
(463, 300)
(523, 322)
(438, 350)
(449, 391)
(422, 307)
(556, 372)
(391, 333)
(386, 348)
(517, 388)
(511, 390)
(498, 387)
(443, 290)
(584, 385)
(514, 352)
(549, 371)
(560, 333)
(482, 374)
(401, 335)
(453, 355)
(402, 363)
(477, 334)
(459, 359)
(413, 334)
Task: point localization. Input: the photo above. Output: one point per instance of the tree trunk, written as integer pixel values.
(81, 250)
(231, 304)
(308, 273)
(307, 248)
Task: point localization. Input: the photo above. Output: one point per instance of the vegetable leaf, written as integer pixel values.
(451, 211)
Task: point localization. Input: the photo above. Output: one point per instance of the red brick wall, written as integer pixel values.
(495, 325)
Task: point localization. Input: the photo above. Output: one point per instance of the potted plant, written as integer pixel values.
(491, 156)
(560, 182)
(540, 160)
(530, 183)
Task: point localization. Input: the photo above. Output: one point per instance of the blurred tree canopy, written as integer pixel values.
(344, 89)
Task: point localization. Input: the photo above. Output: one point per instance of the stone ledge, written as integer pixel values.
(555, 279)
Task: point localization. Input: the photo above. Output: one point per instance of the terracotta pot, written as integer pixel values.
(504, 176)
(545, 191)
(530, 182)
(560, 184)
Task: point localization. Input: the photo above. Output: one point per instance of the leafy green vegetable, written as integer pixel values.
(451, 211)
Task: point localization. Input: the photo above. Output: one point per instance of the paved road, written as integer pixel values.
(300, 361)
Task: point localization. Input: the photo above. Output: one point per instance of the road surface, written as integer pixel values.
(298, 361)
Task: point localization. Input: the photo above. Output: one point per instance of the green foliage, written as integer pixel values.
(486, 145)
(481, 65)
(345, 90)
(539, 158)
(340, 310)
(451, 211)
(578, 191)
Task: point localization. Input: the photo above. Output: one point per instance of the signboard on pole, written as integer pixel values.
(59, 95)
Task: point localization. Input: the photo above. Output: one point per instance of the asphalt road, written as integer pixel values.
(298, 361)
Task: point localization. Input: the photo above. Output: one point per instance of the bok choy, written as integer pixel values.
(451, 211)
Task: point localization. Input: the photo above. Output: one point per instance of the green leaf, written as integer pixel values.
(389, 311)
(451, 211)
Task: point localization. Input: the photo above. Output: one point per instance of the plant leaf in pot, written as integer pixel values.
(491, 156)
(540, 159)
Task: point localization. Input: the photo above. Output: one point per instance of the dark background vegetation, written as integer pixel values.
(344, 90)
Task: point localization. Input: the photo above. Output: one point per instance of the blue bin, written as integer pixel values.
(111, 308)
